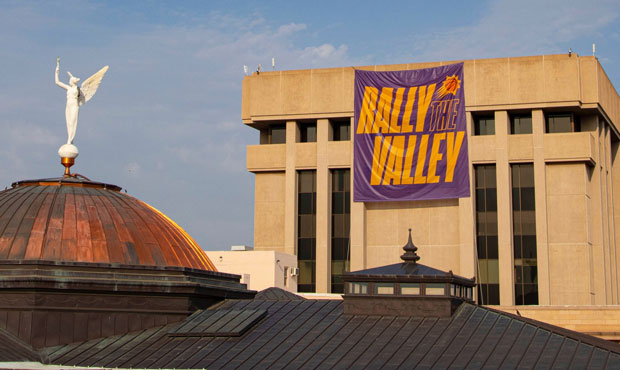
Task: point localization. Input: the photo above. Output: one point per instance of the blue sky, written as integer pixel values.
(165, 123)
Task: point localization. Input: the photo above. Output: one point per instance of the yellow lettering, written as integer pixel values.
(407, 179)
(383, 111)
(394, 168)
(398, 100)
(443, 115)
(453, 152)
(435, 113)
(435, 157)
(453, 114)
(382, 147)
(369, 104)
(425, 94)
(406, 127)
(419, 178)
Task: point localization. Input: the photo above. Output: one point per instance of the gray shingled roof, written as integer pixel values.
(277, 294)
(317, 334)
(14, 349)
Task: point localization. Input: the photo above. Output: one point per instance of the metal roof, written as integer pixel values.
(402, 269)
(69, 219)
(14, 349)
(316, 333)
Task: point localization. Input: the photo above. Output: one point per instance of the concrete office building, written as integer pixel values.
(540, 227)
(258, 269)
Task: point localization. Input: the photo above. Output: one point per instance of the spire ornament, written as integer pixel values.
(410, 255)
(76, 97)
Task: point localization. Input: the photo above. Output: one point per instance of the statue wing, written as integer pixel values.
(90, 86)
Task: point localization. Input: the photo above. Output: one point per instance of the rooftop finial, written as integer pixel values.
(410, 255)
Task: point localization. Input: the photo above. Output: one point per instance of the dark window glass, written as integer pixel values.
(527, 199)
(491, 200)
(341, 219)
(516, 240)
(306, 230)
(562, 122)
(528, 243)
(521, 124)
(307, 276)
(486, 234)
(341, 129)
(305, 248)
(493, 293)
(480, 198)
(277, 134)
(484, 125)
(307, 132)
(481, 242)
(524, 234)
(305, 203)
(492, 247)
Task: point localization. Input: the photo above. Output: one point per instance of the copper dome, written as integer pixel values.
(74, 220)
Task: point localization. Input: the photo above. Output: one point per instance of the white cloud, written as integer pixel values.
(289, 29)
(511, 28)
(325, 54)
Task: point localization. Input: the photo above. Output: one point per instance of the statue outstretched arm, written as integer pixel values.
(56, 75)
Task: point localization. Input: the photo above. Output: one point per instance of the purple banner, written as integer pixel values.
(410, 135)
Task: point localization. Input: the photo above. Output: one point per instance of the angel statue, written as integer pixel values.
(77, 96)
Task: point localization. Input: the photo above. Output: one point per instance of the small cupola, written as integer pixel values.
(405, 289)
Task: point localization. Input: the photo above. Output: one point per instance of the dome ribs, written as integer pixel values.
(7, 213)
(77, 220)
(150, 242)
(113, 244)
(188, 245)
(178, 245)
(83, 236)
(163, 235)
(34, 248)
(17, 250)
(53, 235)
(68, 242)
(181, 245)
(129, 217)
(130, 254)
(169, 233)
(97, 235)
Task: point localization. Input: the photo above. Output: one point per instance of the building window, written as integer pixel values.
(384, 288)
(341, 129)
(435, 289)
(484, 125)
(520, 124)
(341, 220)
(409, 288)
(524, 234)
(274, 134)
(486, 234)
(307, 132)
(562, 122)
(306, 230)
(358, 288)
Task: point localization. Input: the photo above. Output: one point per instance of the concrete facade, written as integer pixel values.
(576, 175)
(258, 269)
